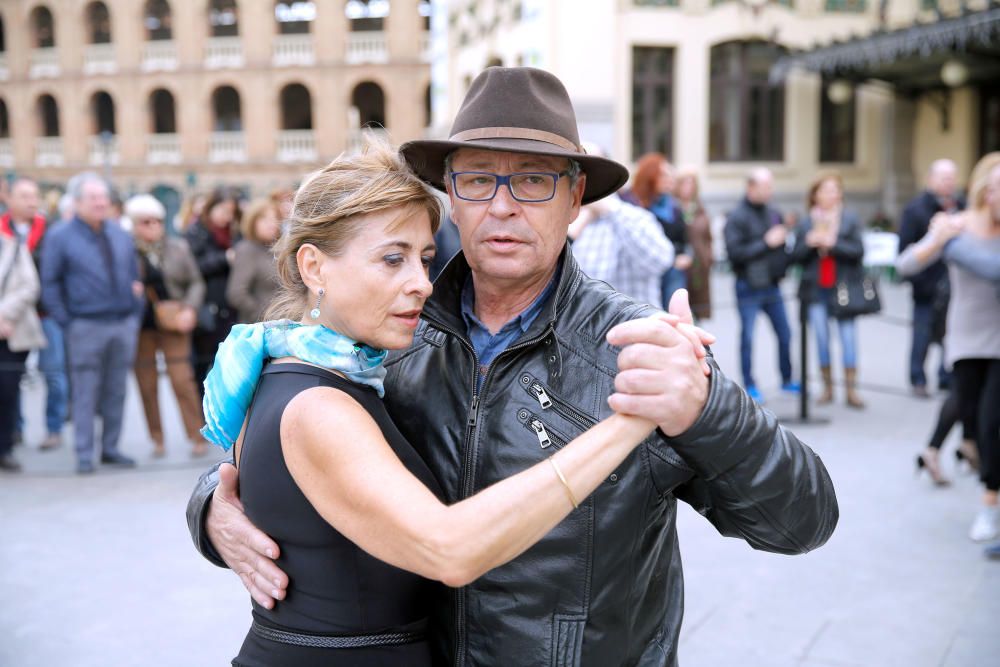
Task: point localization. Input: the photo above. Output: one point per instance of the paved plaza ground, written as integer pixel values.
(99, 571)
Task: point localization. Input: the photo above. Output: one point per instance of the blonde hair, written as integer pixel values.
(688, 172)
(248, 225)
(980, 179)
(330, 207)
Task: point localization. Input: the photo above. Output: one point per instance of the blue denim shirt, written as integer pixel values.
(77, 280)
(488, 345)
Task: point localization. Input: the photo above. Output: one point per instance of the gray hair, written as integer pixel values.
(65, 206)
(572, 172)
(75, 186)
(144, 206)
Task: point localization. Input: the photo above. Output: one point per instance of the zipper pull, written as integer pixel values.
(543, 435)
(543, 398)
(474, 411)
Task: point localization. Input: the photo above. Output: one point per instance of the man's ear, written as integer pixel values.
(577, 194)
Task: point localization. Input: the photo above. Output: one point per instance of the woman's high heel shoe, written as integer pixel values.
(928, 460)
(968, 452)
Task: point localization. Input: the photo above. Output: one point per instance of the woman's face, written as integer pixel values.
(685, 188)
(828, 194)
(267, 226)
(223, 213)
(376, 289)
(147, 229)
(665, 181)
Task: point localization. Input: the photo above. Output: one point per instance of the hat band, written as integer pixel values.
(516, 133)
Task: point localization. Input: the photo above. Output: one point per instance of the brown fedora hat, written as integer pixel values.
(517, 110)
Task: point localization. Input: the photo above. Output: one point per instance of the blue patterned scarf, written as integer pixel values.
(230, 386)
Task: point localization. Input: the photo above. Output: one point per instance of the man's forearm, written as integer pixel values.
(762, 483)
(197, 510)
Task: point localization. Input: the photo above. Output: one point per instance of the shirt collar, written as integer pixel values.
(526, 317)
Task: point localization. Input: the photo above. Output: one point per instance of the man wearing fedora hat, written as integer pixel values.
(510, 362)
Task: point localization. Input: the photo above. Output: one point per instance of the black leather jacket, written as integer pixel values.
(605, 587)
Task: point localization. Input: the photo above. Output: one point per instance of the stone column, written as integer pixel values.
(897, 154)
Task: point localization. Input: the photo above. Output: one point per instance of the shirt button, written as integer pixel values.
(613, 478)
(483, 370)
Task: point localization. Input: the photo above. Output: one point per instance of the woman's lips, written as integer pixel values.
(410, 318)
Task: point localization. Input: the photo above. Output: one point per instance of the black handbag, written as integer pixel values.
(855, 293)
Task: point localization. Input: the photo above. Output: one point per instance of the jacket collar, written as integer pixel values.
(34, 234)
(445, 305)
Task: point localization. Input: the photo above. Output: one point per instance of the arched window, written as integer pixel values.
(43, 27)
(294, 18)
(652, 100)
(98, 23)
(48, 116)
(3, 37)
(157, 20)
(370, 103)
(494, 61)
(4, 121)
(746, 112)
(226, 106)
(223, 18)
(161, 110)
(296, 107)
(367, 14)
(102, 109)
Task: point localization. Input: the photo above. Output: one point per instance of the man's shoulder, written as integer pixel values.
(595, 307)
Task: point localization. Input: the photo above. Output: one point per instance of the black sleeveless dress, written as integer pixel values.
(335, 588)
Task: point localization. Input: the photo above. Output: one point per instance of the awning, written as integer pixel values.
(910, 58)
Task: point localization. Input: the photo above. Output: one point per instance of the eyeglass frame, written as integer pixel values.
(505, 180)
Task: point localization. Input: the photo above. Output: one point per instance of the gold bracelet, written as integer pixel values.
(562, 478)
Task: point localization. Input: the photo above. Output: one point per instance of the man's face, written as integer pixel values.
(943, 181)
(505, 240)
(23, 201)
(759, 190)
(94, 203)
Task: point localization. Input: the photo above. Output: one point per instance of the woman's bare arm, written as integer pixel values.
(338, 457)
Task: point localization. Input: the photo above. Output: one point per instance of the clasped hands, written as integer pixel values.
(662, 369)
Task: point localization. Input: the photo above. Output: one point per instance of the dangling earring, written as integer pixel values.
(314, 313)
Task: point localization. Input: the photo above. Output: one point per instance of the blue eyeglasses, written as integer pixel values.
(524, 186)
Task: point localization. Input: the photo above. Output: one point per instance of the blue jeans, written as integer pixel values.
(670, 282)
(819, 320)
(923, 317)
(52, 364)
(750, 301)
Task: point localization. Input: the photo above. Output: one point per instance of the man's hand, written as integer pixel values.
(945, 227)
(6, 328)
(682, 262)
(775, 236)
(663, 375)
(186, 320)
(137, 288)
(244, 548)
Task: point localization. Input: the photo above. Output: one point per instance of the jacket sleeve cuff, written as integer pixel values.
(197, 512)
(726, 430)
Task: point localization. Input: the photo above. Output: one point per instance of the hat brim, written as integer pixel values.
(426, 158)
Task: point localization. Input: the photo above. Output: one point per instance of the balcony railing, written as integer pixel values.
(227, 147)
(356, 136)
(101, 153)
(163, 149)
(297, 146)
(4, 72)
(367, 47)
(159, 55)
(44, 63)
(49, 152)
(99, 59)
(6, 154)
(223, 52)
(425, 46)
(292, 50)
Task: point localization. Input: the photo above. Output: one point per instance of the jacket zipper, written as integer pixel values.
(561, 407)
(547, 437)
(467, 474)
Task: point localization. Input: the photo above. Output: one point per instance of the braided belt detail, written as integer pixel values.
(334, 641)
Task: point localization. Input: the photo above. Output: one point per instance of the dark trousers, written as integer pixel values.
(751, 301)
(11, 368)
(977, 382)
(923, 336)
(100, 354)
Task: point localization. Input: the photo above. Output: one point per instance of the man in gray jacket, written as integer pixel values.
(513, 343)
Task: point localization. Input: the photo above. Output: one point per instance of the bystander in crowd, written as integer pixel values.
(699, 234)
(253, 278)
(174, 291)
